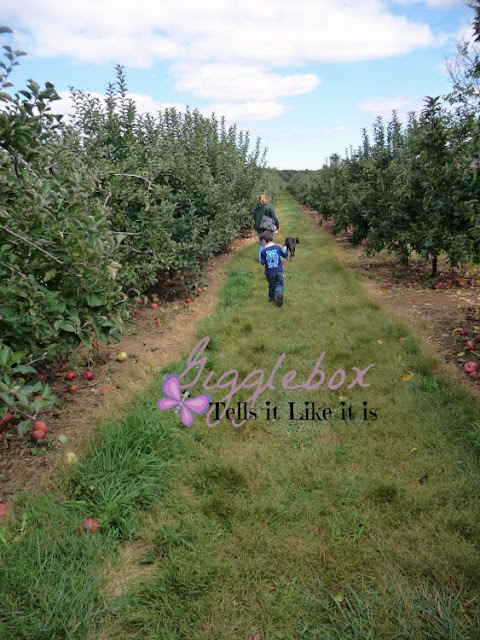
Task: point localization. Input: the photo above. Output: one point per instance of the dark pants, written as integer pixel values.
(275, 285)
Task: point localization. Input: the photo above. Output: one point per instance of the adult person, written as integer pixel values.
(262, 208)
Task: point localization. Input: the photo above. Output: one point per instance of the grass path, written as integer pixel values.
(340, 528)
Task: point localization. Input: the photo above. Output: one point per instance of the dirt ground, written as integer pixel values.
(436, 317)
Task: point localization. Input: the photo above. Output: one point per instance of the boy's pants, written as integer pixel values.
(275, 284)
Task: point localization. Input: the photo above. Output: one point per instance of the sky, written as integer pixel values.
(305, 77)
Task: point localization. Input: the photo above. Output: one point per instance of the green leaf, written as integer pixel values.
(7, 399)
(95, 300)
(23, 427)
(68, 326)
(24, 368)
(51, 273)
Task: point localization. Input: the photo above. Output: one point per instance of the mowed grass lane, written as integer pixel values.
(331, 529)
(301, 530)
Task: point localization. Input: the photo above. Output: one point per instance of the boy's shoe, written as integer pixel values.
(279, 300)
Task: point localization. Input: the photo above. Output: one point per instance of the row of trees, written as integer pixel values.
(413, 187)
(96, 210)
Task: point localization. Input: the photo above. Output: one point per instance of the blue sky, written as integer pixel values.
(303, 76)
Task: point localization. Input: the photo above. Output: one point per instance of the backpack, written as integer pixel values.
(267, 223)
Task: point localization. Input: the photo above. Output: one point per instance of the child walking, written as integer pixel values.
(271, 256)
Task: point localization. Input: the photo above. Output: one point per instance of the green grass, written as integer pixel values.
(50, 575)
(306, 530)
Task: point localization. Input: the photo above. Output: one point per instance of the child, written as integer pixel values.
(271, 256)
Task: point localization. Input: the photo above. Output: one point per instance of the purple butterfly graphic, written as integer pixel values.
(187, 406)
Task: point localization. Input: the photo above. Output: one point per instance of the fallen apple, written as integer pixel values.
(137, 312)
(474, 375)
(188, 300)
(4, 509)
(88, 526)
(402, 339)
(470, 366)
(70, 375)
(122, 357)
(89, 375)
(462, 332)
(154, 305)
(72, 388)
(38, 435)
(8, 417)
(71, 457)
(40, 426)
(158, 323)
(470, 345)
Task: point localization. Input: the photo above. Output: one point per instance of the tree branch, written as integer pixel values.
(134, 175)
(19, 273)
(32, 244)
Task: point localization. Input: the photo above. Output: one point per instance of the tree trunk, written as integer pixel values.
(404, 257)
(434, 267)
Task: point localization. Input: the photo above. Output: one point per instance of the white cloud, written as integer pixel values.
(224, 51)
(330, 132)
(228, 82)
(434, 4)
(272, 32)
(384, 106)
(145, 104)
(246, 111)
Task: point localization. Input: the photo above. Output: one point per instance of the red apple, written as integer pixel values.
(154, 305)
(470, 345)
(470, 366)
(89, 375)
(462, 332)
(72, 388)
(38, 435)
(136, 312)
(88, 526)
(158, 323)
(40, 426)
(188, 300)
(8, 417)
(70, 375)
(474, 375)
